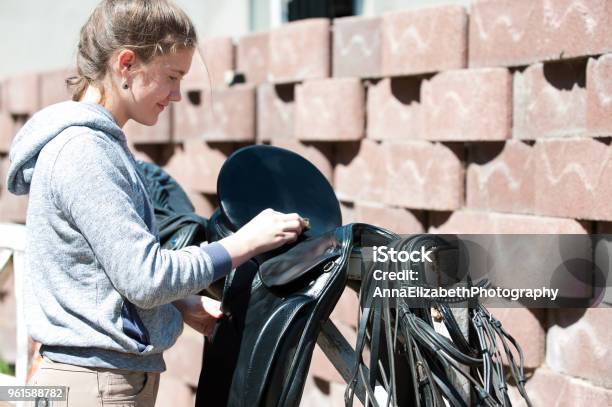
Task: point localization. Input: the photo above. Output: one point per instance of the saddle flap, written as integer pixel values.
(258, 177)
(319, 253)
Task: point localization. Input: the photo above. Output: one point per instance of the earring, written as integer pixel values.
(125, 85)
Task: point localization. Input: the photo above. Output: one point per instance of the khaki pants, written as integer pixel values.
(97, 387)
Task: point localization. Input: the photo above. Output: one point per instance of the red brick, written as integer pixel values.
(161, 132)
(198, 75)
(13, 208)
(319, 154)
(184, 358)
(549, 101)
(356, 47)
(230, 115)
(481, 222)
(204, 204)
(151, 153)
(218, 55)
(189, 116)
(572, 178)
(321, 367)
(520, 32)
(418, 175)
(336, 396)
(330, 110)
(554, 177)
(275, 106)
(394, 109)
(7, 131)
(196, 164)
(322, 393)
(19, 121)
(316, 392)
(347, 309)
(547, 388)
(360, 172)
(180, 167)
(173, 392)
(53, 88)
(252, 57)
(501, 177)
(300, 50)
(504, 32)
(599, 96)
(580, 393)
(398, 220)
(423, 175)
(464, 105)
(22, 94)
(347, 209)
(233, 115)
(206, 160)
(585, 330)
(544, 388)
(424, 40)
(527, 327)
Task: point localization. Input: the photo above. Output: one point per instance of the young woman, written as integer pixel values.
(101, 296)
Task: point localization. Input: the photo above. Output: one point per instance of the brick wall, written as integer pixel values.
(493, 119)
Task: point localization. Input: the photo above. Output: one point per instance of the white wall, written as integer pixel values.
(39, 35)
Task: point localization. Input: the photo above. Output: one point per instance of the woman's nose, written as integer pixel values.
(175, 95)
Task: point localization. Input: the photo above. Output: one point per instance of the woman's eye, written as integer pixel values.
(173, 78)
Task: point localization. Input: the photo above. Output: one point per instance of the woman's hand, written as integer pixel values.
(266, 231)
(200, 313)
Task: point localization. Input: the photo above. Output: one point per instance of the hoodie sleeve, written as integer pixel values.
(91, 185)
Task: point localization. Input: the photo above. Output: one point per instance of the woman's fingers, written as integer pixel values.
(266, 231)
(212, 307)
(290, 221)
(208, 328)
(289, 216)
(288, 236)
(292, 225)
(293, 221)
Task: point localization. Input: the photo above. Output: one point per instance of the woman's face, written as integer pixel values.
(155, 84)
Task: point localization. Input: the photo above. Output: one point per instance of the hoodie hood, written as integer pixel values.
(43, 127)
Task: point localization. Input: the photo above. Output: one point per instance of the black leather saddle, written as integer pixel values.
(275, 304)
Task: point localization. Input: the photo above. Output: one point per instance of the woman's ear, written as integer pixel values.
(125, 60)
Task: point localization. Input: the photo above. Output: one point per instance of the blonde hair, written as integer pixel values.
(147, 27)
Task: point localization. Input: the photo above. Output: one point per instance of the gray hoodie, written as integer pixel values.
(98, 287)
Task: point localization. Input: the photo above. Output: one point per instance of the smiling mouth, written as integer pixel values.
(162, 107)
